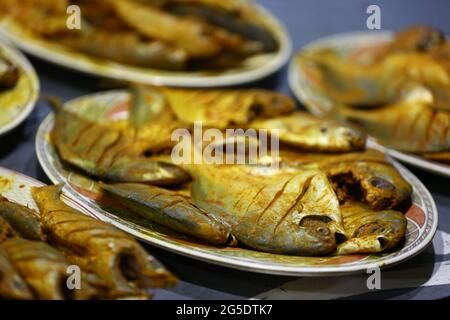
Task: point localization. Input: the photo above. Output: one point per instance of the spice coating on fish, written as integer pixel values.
(109, 153)
(170, 209)
(376, 181)
(291, 213)
(12, 285)
(45, 270)
(307, 132)
(371, 231)
(116, 258)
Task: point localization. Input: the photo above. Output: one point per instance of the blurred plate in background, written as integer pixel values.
(319, 104)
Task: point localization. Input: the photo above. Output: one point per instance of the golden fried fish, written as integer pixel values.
(110, 153)
(408, 126)
(12, 285)
(370, 231)
(169, 208)
(304, 131)
(116, 258)
(286, 212)
(45, 270)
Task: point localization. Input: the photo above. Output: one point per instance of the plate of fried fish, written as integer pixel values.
(394, 86)
(44, 241)
(19, 88)
(190, 43)
(317, 202)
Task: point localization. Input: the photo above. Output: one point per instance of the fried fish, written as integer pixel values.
(45, 270)
(281, 212)
(408, 126)
(304, 131)
(110, 153)
(169, 208)
(371, 231)
(115, 257)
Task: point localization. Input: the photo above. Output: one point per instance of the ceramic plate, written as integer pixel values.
(356, 44)
(113, 106)
(16, 187)
(254, 68)
(17, 103)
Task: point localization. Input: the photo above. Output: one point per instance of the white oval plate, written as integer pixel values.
(318, 105)
(422, 215)
(254, 68)
(26, 91)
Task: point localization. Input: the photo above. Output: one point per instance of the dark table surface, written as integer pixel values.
(427, 276)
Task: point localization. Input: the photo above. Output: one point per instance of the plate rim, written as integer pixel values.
(17, 57)
(193, 80)
(303, 98)
(245, 265)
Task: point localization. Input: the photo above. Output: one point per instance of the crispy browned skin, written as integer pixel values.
(365, 175)
(23, 220)
(12, 285)
(115, 257)
(371, 231)
(169, 208)
(45, 270)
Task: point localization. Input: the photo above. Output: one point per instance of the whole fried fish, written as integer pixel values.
(225, 108)
(123, 266)
(23, 221)
(45, 270)
(109, 152)
(169, 208)
(12, 285)
(281, 212)
(307, 132)
(370, 231)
